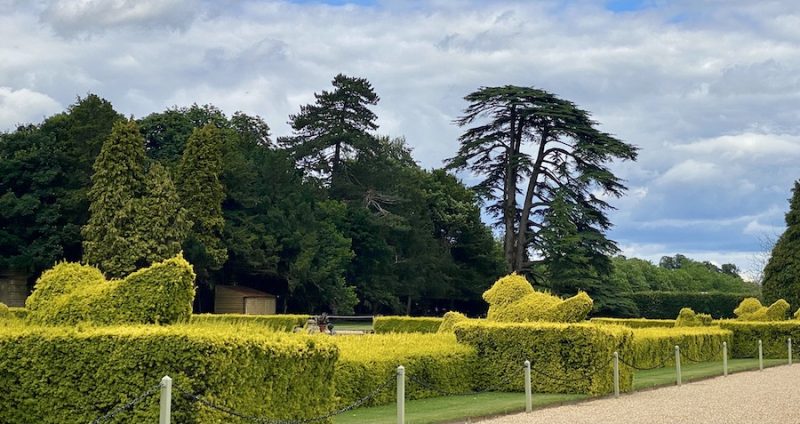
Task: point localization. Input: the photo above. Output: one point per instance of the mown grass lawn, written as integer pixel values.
(453, 408)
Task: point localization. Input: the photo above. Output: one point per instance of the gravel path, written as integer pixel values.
(758, 397)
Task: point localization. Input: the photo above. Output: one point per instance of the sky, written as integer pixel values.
(709, 91)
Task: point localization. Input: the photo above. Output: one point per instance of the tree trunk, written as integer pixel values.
(522, 236)
(408, 305)
(510, 196)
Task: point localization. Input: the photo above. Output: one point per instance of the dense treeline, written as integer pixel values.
(332, 217)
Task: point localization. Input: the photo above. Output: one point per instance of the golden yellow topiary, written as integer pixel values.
(688, 318)
(450, 320)
(751, 309)
(513, 299)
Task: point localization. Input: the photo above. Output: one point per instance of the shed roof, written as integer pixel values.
(245, 291)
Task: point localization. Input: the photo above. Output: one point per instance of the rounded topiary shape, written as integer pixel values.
(508, 290)
(777, 311)
(5, 313)
(797, 314)
(748, 306)
(573, 309)
(688, 318)
(533, 307)
(63, 278)
(450, 320)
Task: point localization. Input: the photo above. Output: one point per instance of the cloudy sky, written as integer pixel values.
(710, 91)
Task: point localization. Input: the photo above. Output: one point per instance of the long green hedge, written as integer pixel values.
(667, 305)
(434, 363)
(636, 322)
(773, 335)
(404, 324)
(274, 322)
(75, 375)
(565, 358)
(654, 347)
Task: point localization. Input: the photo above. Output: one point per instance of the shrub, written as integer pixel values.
(160, 294)
(450, 320)
(5, 312)
(797, 314)
(19, 313)
(69, 375)
(62, 279)
(578, 353)
(368, 361)
(653, 347)
(773, 336)
(404, 324)
(273, 322)
(751, 310)
(667, 305)
(513, 299)
(635, 322)
(688, 318)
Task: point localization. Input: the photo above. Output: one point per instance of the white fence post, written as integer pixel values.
(789, 343)
(165, 404)
(725, 359)
(760, 356)
(528, 395)
(616, 374)
(678, 365)
(401, 395)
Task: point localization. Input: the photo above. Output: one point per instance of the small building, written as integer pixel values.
(243, 300)
(13, 288)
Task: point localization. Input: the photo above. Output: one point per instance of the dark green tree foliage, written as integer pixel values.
(45, 174)
(109, 235)
(782, 273)
(335, 127)
(166, 133)
(528, 141)
(201, 194)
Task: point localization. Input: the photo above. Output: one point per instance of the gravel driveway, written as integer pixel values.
(758, 397)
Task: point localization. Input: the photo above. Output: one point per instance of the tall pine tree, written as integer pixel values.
(782, 273)
(201, 193)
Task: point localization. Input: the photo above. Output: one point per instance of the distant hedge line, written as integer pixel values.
(67, 375)
(405, 324)
(667, 305)
(636, 322)
(273, 322)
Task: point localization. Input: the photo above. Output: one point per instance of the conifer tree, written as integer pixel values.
(117, 180)
(782, 273)
(201, 194)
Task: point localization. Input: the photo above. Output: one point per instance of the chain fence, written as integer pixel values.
(127, 406)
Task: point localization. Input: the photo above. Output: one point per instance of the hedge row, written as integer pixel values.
(405, 324)
(368, 361)
(667, 305)
(20, 313)
(773, 336)
(59, 374)
(653, 347)
(274, 322)
(565, 358)
(636, 322)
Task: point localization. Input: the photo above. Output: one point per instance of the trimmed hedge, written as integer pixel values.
(688, 318)
(656, 346)
(773, 336)
(667, 305)
(368, 361)
(579, 353)
(72, 293)
(54, 375)
(406, 324)
(19, 313)
(450, 320)
(636, 322)
(273, 322)
(513, 299)
(751, 309)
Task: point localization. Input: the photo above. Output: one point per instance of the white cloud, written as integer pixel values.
(23, 105)
(747, 146)
(691, 171)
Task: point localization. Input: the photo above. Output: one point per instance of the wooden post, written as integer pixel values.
(616, 374)
(401, 395)
(528, 395)
(725, 359)
(678, 365)
(165, 404)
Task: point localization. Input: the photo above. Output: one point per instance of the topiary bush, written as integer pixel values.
(450, 320)
(404, 324)
(513, 299)
(773, 335)
(688, 318)
(751, 309)
(5, 312)
(74, 375)
(653, 347)
(160, 294)
(575, 357)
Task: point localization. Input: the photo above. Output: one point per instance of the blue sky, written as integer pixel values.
(708, 90)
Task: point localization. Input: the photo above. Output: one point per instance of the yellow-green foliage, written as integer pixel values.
(160, 294)
(274, 322)
(635, 322)
(19, 313)
(751, 310)
(62, 279)
(368, 361)
(404, 324)
(450, 320)
(688, 318)
(56, 375)
(579, 353)
(5, 312)
(513, 299)
(773, 335)
(656, 346)
(797, 314)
